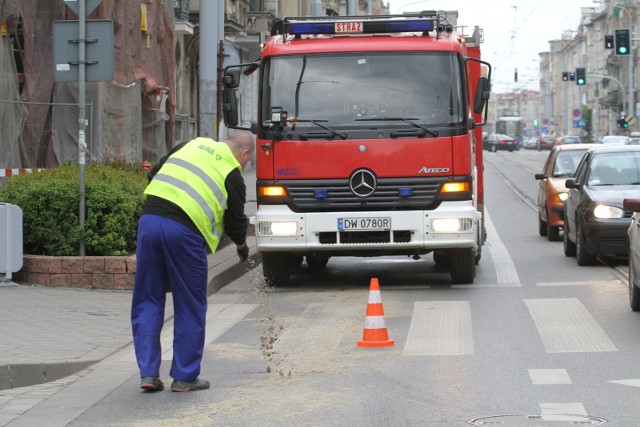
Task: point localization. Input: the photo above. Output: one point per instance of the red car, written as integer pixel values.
(560, 165)
(546, 142)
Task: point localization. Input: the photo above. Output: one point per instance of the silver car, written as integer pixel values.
(633, 205)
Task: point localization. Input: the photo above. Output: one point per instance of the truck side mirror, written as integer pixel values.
(230, 107)
(483, 91)
(231, 79)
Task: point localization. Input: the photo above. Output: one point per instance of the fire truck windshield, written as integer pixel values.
(341, 90)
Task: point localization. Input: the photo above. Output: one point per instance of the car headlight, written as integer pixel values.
(607, 212)
(563, 196)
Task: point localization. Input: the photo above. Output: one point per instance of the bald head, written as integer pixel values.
(241, 145)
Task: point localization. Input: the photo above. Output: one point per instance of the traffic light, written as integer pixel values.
(623, 43)
(581, 76)
(623, 123)
(608, 41)
(572, 76)
(565, 76)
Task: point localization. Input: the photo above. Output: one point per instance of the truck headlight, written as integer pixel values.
(277, 228)
(451, 225)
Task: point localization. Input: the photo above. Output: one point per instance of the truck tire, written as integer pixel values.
(463, 266)
(276, 268)
(442, 257)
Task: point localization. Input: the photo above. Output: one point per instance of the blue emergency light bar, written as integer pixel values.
(359, 27)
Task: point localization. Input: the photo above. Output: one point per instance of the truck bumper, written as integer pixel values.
(280, 229)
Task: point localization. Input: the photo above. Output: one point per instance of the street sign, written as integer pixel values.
(98, 51)
(90, 6)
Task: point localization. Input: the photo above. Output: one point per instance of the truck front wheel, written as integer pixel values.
(276, 268)
(463, 265)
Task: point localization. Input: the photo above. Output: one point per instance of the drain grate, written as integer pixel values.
(549, 420)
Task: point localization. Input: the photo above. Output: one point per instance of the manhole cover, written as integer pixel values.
(538, 420)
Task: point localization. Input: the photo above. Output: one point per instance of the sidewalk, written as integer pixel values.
(51, 333)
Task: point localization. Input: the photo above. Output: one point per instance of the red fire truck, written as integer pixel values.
(369, 141)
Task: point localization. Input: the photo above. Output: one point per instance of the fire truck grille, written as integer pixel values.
(389, 193)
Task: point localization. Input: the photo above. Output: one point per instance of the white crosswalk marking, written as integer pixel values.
(558, 411)
(600, 283)
(565, 326)
(549, 376)
(440, 328)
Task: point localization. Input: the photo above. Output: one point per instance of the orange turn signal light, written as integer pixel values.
(272, 191)
(455, 187)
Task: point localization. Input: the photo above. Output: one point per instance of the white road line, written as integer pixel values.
(440, 328)
(505, 268)
(565, 326)
(549, 376)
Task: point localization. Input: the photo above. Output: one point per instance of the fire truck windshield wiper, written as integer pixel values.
(399, 119)
(317, 123)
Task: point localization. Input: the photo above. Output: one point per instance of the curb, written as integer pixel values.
(224, 269)
(27, 374)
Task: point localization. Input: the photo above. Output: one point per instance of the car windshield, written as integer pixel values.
(615, 169)
(338, 89)
(571, 140)
(567, 162)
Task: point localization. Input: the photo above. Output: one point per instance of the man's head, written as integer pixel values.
(242, 146)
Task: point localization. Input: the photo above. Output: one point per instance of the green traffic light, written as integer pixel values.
(622, 50)
(580, 81)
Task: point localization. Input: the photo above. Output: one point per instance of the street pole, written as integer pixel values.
(82, 125)
(631, 110)
(208, 76)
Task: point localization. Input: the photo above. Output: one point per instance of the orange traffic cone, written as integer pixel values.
(375, 331)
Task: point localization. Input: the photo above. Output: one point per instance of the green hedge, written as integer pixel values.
(50, 203)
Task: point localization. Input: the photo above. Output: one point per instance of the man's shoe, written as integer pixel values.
(151, 384)
(181, 386)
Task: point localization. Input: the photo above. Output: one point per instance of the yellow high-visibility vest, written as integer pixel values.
(193, 178)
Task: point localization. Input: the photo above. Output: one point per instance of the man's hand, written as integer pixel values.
(243, 252)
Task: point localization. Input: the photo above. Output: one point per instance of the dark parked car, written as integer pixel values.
(497, 141)
(546, 142)
(595, 221)
(560, 165)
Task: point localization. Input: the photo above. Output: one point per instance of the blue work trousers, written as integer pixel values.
(169, 255)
